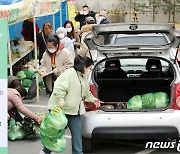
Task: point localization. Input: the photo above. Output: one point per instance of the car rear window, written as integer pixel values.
(140, 39)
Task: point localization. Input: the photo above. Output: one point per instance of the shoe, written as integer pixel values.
(42, 152)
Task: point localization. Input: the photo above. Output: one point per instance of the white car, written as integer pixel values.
(137, 59)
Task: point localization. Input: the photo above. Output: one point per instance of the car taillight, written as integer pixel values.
(90, 106)
(176, 102)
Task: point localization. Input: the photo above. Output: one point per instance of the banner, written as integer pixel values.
(25, 9)
(71, 12)
(3, 87)
(46, 7)
(18, 11)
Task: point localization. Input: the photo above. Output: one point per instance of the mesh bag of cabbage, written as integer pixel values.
(154, 100)
(52, 130)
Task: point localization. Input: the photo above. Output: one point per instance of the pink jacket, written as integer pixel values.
(14, 100)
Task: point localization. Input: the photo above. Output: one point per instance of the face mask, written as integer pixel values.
(69, 30)
(61, 36)
(85, 12)
(99, 19)
(51, 50)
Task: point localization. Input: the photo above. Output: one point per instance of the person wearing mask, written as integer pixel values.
(83, 14)
(102, 18)
(67, 42)
(15, 97)
(72, 33)
(56, 59)
(42, 37)
(28, 29)
(85, 30)
(70, 89)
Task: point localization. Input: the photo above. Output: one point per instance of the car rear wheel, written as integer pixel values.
(87, 144)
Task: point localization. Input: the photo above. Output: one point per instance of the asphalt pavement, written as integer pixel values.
(100, 147)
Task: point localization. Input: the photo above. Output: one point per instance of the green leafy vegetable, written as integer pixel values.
(135, 103)
(26, 83)
(161, 100)
(148, 101)
(21, 75)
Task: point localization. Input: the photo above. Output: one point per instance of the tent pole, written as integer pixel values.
(66, 11)
(9, 53)
(36, 60)
(54, 23)
(60, 10)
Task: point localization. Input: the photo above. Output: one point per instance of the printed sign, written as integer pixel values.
(3, 87)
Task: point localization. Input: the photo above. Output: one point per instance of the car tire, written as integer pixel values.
(87, 144)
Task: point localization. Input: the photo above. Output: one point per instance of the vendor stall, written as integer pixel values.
(21, 10)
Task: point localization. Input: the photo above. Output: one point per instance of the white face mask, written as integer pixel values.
(85, 12)
(51, 50)
(61, 36)
(69, 30)
(99, 19)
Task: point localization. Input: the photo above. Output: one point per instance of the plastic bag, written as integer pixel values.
(52, 130)
(148, 101)
(15, 130)
(55, 145)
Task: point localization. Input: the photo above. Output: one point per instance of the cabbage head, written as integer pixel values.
(15, 131)
(56, 119)
(55, 145)
(135, 103)
(148, 101)
(21, 75)
(161, 100)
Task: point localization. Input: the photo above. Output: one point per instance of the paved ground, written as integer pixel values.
(100, 147)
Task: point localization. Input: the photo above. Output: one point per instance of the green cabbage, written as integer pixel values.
(26, 83)
(161, 100)
(21, 75)
(135, 103)
(55, 145)
(52, 130)
(15, 131)
(56, 119)
(29, 74)
(148, 101)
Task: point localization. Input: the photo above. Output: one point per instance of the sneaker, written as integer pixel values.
(42, 152)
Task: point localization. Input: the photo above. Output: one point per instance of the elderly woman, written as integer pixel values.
(56, 59)
(68, 43)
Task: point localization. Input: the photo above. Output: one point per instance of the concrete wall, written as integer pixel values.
(108, 5)
(120, 5)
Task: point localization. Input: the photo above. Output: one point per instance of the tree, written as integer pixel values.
(154, 5)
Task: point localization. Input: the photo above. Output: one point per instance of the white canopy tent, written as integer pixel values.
(25, 9)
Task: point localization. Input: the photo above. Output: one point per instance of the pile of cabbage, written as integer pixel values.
(27, 77)
(155, 100)
(26, 129)
(52, 130)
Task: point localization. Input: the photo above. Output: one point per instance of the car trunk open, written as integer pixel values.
(117, 90)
